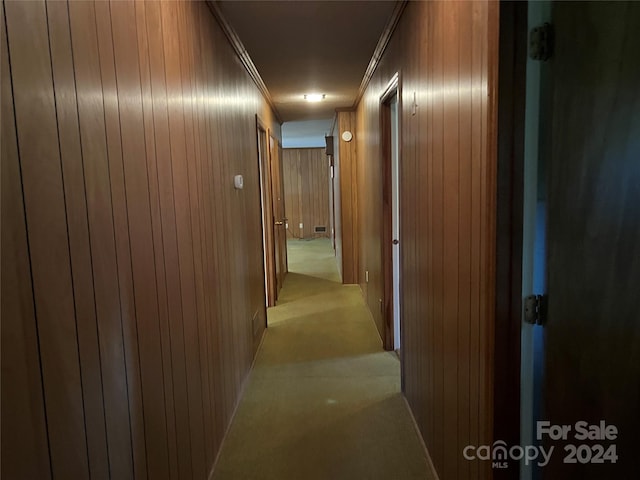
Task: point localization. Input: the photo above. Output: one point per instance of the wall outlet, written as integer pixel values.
(366, 276)
(301, 226)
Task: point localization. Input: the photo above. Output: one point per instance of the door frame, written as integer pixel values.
(333, 201)
(266, 207)
(394, 87)
(278, 207)
(512, 66)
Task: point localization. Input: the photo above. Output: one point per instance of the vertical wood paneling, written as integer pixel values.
(175, 340)
(346, 182)
(182, 331)
(192, 23)
(306, 191)
(100, 128)
(196, 330)
(48, 239)
(92, 164)
(450, 204)
(24, 432)
(160, 228)
(478, 94)
(220, 264)
(445, 53)
(464, 231)
(132, 285)
(87, 306)
(141, 241)
(209, 212)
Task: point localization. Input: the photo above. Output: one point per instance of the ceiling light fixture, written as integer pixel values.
(314, 97)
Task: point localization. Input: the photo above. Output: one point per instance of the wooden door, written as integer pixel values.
(592, 335)
(279, 220)
(332, 210)
(283, 238)
(390, 228)
(267, 213)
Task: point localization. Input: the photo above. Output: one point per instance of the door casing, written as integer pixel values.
(393, 89)
(266, 202)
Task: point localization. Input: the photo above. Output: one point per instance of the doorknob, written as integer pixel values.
(395, 241)
(279, 223)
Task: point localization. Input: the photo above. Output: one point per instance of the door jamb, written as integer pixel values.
(394, 87)
(509, 222)
(274, 143)
(268, 237)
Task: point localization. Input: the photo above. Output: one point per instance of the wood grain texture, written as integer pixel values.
(386, 127)
(306, 191)
(266, 199)
(131, 268)
(445, 54)
(279, 215)
(24, 431)
(346, 191)
(48, 236)
(592, 334)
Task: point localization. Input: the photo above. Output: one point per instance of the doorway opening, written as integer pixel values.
(279, 221)
(307, 193)
(391, 247)
(272, 206)
(266, 208)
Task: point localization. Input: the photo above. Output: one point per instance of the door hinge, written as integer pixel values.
(541, 42)
(535, 309)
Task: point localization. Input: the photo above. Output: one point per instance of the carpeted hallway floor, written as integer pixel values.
(323, 401)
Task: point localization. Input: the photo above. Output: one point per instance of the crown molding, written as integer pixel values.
(242, 53)
(384, 40)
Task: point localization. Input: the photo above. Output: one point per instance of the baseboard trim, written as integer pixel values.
(235, 408)
(424, 445)
(366, 305)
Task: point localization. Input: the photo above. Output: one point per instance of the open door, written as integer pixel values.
(266, 195)
(592, 326)
(279, 220)
(389, 134)
(332, 204)
(274, 239)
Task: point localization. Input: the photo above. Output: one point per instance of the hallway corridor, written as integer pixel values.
(323, 400)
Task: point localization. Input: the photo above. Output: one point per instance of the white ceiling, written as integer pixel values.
(305, 133)
(308, 46)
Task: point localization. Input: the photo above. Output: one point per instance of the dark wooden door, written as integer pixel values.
(279, 220)
(592, 338)
(267, 213)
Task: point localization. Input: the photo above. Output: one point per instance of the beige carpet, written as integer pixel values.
(323, 400)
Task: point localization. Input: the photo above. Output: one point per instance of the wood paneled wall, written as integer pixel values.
(446, 53)
(346, 193)
(131, 267)
(306, 191)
